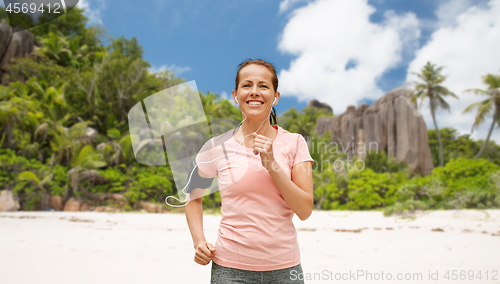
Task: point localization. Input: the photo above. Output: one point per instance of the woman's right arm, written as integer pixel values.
(194, 216)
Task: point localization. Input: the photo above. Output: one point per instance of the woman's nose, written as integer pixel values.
(254, 90)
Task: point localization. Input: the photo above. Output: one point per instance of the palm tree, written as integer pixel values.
(430, 88)
(40, 178)
(64, 139)
(84, 163)
(55, 47)
(112, 151)
(15, 118)
(302, 125)
(486, 107)
(51, 96)
(288, 118)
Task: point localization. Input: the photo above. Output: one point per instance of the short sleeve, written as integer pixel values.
(302, 154)
(206, 158)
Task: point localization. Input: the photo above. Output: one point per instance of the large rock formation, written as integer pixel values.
(318, 104)
(8, 201)
(392, 124)
(12, 45)
(72, 205)
(56, 203)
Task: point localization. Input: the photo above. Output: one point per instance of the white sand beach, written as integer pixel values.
(88, 247)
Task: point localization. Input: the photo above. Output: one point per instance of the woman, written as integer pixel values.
(263, 181)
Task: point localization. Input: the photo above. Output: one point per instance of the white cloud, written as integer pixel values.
(174, 68)
(227, 96)
(287, 4)
(328, 36)
(224, 95)
(406, 26)
(94, 14)
(449, 10)
(469, 49)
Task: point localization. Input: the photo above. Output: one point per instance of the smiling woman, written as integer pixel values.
(270, 80)
(262, 185)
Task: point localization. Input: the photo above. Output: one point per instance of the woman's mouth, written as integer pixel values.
(255, 103)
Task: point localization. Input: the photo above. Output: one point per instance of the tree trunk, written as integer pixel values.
(439, 137)
(489, 134)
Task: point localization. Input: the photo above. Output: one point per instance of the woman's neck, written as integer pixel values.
(250, 126)
(261, 127)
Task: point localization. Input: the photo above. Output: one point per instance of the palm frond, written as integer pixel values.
(492, 81)
(482, 112)
(442, 103)
(476, 105)
(46, 180)
(438, 80)
(476, 91)
(484, 108)
(422, 98)
(29, 176)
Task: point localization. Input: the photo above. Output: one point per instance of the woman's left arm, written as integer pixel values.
(297, 192)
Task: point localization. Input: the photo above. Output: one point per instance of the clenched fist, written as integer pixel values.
(204, 253)
(263, 146)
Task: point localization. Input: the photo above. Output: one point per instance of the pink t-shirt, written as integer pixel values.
(256, 230)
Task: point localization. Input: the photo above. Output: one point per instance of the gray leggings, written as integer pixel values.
(224, 275)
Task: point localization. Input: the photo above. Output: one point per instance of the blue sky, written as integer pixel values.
(339, 52)
(204, 41)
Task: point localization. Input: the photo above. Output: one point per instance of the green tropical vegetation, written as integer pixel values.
(460, 146)
(64, 131)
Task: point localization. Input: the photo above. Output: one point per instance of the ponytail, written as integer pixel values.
(272, 119)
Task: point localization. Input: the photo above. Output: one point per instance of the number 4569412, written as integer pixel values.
(32, 8)
(471, 274)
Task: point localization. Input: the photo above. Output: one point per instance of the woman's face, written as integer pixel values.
(255, 93)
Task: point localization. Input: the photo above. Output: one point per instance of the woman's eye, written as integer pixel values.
(244, 86)
(263, 86)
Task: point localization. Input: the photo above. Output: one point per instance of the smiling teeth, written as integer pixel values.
(254, 103)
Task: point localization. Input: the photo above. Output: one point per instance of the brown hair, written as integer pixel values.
(269, 67)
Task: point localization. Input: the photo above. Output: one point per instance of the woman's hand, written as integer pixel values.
(204, 253)
(263, 146)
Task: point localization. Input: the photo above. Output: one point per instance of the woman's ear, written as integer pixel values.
(276, 98)
(235, 97)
